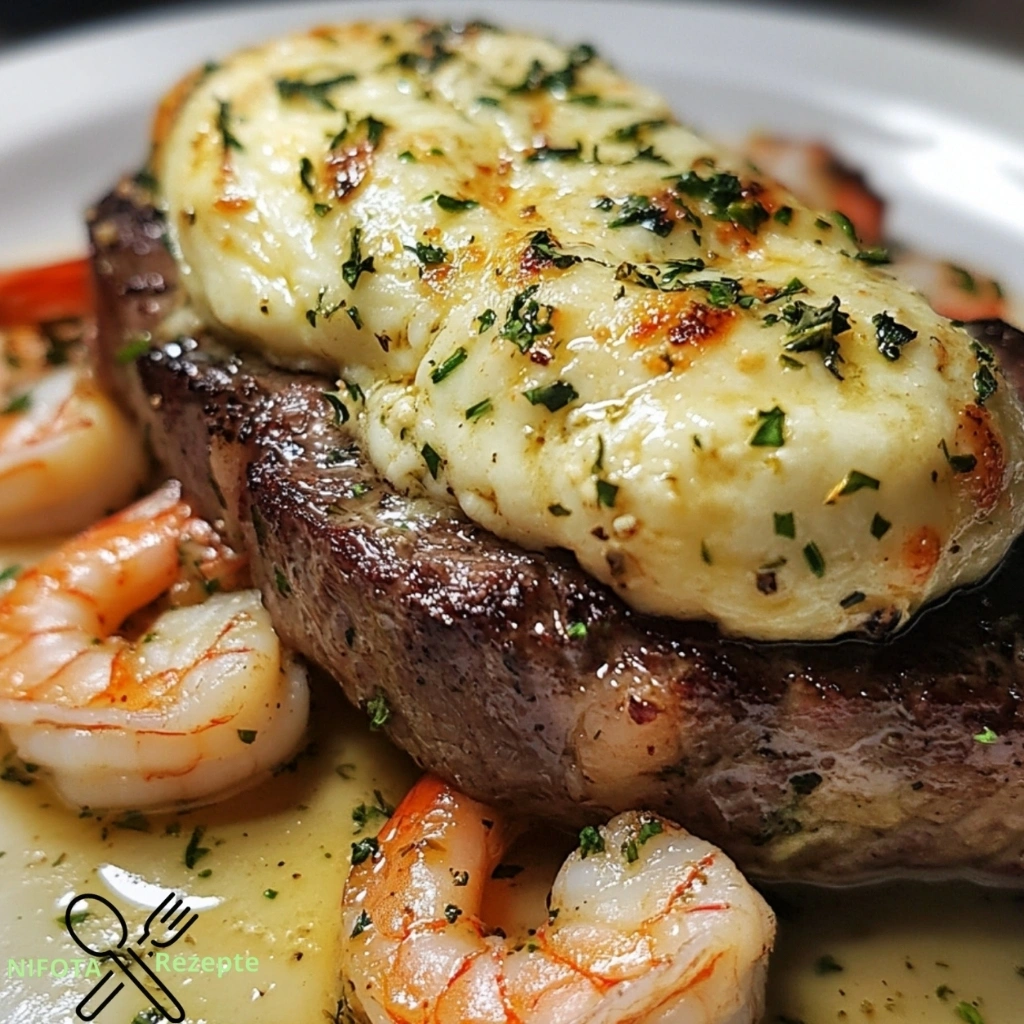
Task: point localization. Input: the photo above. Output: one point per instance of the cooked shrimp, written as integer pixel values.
(951, 290)
(201, 704)
(818, 178)
(67, 454)
(647, 924)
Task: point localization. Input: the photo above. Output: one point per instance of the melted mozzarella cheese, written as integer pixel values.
(589, 327)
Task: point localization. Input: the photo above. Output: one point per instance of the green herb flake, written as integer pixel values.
(544, 154)
(379, 711)
(453, 362)
(853, 481)
(356, 265)
(785, 524)
(879, 526)
(591, 842)
(247, 735)
(451, 204)
(576, 630)
(432, 459)
(428, 255)
(193, 851)
(874, 254)
(133, 821)
(958, 463)
(784, 215)
(270, 894)
(558, 510)
(17, 405)
(481, 408)
(486, 320)
(985, 384)
(290, 88)
(284, 588)
(815, 329)
(11, 572)
(844, 224)
(827, 964)
(853, 599)
(814, 558)
(606, 493)
(407, 157)
(553, 396)
(638, 210)
(543, 249)
(364, 850)
(986, 736)
(362, 923)
(969, 1013)
(132, 350)
(650, 828)
(335, 400)
(228, 139)
(891, 336)
(527, 319)
(307, 176)
(770, 430)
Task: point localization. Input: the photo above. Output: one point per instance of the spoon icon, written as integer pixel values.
(128, 961)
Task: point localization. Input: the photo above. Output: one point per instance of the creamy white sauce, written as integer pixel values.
(594, 413)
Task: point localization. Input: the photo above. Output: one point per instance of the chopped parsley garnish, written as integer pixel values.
(606, 493)
(723, 293)
(631, 848)
(986, 736)
(193, 851)
(827, 964)
(321, 209)
(814, 329)
(542, 247)
(10, 573)
(486, 320)
(362, 923)
(559, 82)
(552, 396)
(879, 526)
(453, 362)
(969, 1013)
(891, 336)
(576, 630)
(432, 459)
(228, 139)
(853, 599)
(450, 204)
(22, 403)
(356, 264)
(770, 430)
(290, 88)
(785, 524)
(284, 588)
(428, 254)
(334, 400)
(407, 157)
(542, 154)
(875, 254)
(353, 314)
(132, 350)
(481, 408)
(379, 711)
(364, 812)
(958, 463)
(591, 842)
(306, 174)
(558, 510)
(632, 132)
(270, 894)
(794, 287)
(853, 481)
(527, 319)
(364, 850)
(845, 224)
(814, 558)
(247, 735)
(724, 193)
(639, 210)
(985, 383)
(784, 214)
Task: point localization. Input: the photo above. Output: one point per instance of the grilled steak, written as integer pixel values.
(514, 675)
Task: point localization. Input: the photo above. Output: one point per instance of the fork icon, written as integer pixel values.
(168, 918)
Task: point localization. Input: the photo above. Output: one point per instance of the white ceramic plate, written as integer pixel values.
(939, 130)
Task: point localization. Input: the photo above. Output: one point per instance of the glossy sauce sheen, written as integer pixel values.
(479, 228)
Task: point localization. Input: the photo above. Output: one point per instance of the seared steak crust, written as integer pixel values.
(832, 762)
